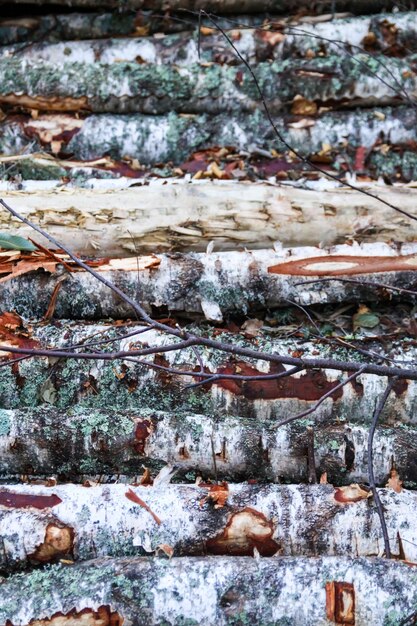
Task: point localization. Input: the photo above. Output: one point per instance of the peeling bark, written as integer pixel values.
(216, 590)
(122, 385)
(276, 520)
(131, 87)
(86, 443)
(133, 136)
(214, 285)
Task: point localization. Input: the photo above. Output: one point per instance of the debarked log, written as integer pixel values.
(212, 590)
(44, 524)
(216, 285)
(94, 443)
(389, 33)
(123, 384)
(131, 87)
(133, 136)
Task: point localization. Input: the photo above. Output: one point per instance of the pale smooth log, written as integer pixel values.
(189, 215)
(212, 590)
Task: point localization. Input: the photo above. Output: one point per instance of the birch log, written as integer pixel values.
(226, 6)
(93, 443)
(123, 384)
(215, 285)
(130, 87)
(188, 216)
(387, 32)
(133, 137)
(43, 524)
(213, 590)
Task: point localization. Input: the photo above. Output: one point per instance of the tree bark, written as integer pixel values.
(215, 285)
(228, 6)
(43, 524)
(122, 384)
(162, 217)
(222, 590)
(386, 33)
(93, 443)
(131, 137)
(131, 87)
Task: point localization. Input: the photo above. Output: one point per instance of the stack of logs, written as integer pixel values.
(136, 136)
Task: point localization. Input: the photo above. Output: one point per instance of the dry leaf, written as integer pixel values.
(351, 493)
(252, 328)
(216, 493)
(323, 479)
(394, 481)
(166, 549)
(301, 106)
(304, 123)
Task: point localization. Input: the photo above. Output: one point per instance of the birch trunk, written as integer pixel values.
(387, 32)
(98, 444)
(131, 87)
(215, 285)
(121, 384)
(133, 137)
(43, 524)
(216, 590)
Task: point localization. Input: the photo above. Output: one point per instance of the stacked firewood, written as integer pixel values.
(186, 403)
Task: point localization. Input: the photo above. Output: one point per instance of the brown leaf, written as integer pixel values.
(252, 328)
(301, 106)
(351, 493)
(166, 549)
(216, 493)
(131, 495)
(394, 482)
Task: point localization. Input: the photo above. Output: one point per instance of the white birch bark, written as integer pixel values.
(42, 524)
(213, 590)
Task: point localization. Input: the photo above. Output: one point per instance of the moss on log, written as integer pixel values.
(121, 384)
(213, 590)
(153, 89)
(85, 442)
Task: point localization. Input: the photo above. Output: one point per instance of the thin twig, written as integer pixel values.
(378, 410)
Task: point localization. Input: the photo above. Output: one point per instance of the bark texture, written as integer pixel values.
(174, 138)
(131, 87)
(227, 6)
(213, 590)
(121, 384)
(215, 285)
(87, 443)
(43, 524)
(387, 33)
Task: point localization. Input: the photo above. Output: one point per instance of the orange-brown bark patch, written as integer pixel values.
(340, 265)
(26, 500)
(340, 602)
(142, 431)
(246, 530)
(104, 616)
(58, 542)
(310, 386)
